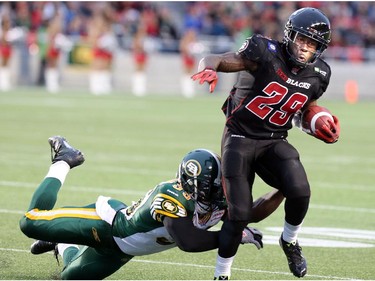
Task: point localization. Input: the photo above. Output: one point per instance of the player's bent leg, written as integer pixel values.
(64, 157)
(45, 196)
(230, 237)
(283, 160)
(67, 252)
(74, 225)
(94, 264)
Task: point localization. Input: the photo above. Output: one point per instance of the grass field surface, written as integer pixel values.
(131, 144)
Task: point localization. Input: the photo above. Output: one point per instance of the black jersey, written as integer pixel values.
(262, 103)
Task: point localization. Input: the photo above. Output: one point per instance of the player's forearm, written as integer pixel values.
(199, 241)
(228, 62)
(189, 238)
(266, 205)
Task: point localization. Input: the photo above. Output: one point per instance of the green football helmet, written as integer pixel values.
(200, 175)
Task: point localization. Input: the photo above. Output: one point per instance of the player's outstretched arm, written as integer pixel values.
(266, 205)
(189, 238)
(210, 65)
(192, 239)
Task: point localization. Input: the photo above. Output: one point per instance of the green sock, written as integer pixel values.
(44, 198)
(68, 255)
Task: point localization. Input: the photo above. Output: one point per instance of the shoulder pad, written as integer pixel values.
(170, 200)
(322, 69)
(166, 205)
(254, 47)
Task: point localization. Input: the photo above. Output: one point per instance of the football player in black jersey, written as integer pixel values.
(276, 80)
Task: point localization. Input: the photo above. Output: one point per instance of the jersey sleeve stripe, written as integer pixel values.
(174, 200)
(166, 205)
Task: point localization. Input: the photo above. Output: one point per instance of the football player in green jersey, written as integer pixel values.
(96, 240)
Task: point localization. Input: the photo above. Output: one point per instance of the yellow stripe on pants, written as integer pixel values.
(85, 213)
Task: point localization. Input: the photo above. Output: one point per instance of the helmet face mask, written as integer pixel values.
(311, 23)
(200, 176)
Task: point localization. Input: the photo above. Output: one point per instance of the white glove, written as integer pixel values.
(253, 236)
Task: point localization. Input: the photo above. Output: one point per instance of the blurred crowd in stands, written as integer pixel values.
(353, 23)
(188, 28)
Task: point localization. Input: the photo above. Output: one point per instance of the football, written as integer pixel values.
(315, 117)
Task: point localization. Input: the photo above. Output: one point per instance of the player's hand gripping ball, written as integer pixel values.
(320, 123)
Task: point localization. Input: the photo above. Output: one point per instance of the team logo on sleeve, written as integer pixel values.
(317, 69)
(169, 206)
(165, 205)
(271, 47)
(244, 46)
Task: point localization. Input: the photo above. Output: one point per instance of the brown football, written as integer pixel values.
(315, 116)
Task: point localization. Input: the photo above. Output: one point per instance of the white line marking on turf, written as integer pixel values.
(318, 184)
(341, 208)
(341, 186)
(213, 267)
(129, 191)
(14, 250)
(312, 206)
(125, 190)
(243, 269)
(5, 211)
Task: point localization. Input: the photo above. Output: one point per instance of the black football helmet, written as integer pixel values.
(311, 23)
(200, 175)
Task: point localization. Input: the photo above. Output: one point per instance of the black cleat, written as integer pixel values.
(297, 263)
(222, 277)
(41, 247)
(62, 151)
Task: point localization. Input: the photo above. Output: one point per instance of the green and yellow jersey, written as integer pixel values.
(139, 230)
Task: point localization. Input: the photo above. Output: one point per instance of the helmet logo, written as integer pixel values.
(193, 168)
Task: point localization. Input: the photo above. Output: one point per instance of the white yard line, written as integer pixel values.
(127, 190)
(312, 206)
(213, 267)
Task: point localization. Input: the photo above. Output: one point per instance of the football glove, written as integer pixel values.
(329, 134)
(253, 236)
(207, 75)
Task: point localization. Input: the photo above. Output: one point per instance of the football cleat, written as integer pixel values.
(41, 247)
(297, 263)
(222, 277)
(62, 151)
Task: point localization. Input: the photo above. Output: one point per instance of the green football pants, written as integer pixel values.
(92, 264)
(73, 225)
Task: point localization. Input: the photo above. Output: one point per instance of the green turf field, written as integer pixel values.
(131, 144)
